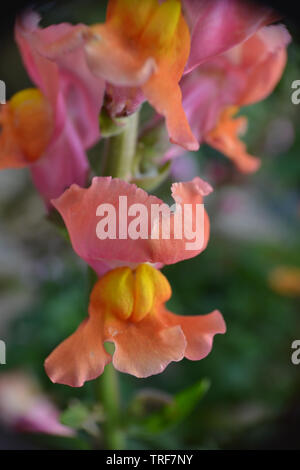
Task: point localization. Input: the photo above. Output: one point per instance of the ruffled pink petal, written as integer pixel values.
(42, 72)
(80, 357)
(198, 330)
(218, 25)
(78, 208)
(64, 163)
(147, 347)
(64, 78)
(206, 91)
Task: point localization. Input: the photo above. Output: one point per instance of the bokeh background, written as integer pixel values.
(246, 393)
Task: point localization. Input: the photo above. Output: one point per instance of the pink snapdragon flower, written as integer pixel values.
(214, 92)
(48, 128)
(144, 47)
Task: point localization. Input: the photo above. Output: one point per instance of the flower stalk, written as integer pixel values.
(121, 149)
(109, 393)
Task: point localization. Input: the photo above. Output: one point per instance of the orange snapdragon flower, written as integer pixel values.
(127, 304)
(127, 308)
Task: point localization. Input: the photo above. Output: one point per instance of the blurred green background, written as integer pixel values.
(253, 400)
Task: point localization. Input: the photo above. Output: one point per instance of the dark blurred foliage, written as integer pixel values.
(253, 400)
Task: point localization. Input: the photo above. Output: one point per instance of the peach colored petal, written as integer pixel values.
(225, 138)
(264, 58)
(78, 208)
(80, 357)
(164, 94)
(111, 59)
(166, 98)
(127, 308)
(198, 330)
(147, 347)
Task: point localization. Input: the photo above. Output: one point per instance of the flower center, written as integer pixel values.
(131, 294)
(32, 122)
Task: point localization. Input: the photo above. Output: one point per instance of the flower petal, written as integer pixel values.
(109, 58)
(164, 94)
(62, 74)
(263, 57)
(123, 101)
(149, 49)
(166, 98)
(147, 347)
(198, 330)
(218, 25)
(42, 72)
(64, 163)
(25, 408)
(80, 357)
(243, 75)
(11, 155)
(78, 208)
(225, 138)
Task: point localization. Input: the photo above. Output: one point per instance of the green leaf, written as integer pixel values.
(181, 406)
(75, 415)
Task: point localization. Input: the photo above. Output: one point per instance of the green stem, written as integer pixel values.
(120, 153)
(121, 149)
(110, 398)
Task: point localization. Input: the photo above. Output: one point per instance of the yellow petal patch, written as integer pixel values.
(130, 295)
(130, 16)
(32, 121)
(114, 293)
(144, 292)
(162, 26)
